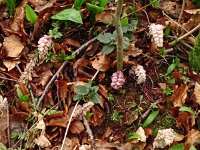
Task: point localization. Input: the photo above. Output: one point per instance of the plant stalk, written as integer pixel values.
(119, 37)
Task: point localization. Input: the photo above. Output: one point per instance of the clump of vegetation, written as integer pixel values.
(194, 55)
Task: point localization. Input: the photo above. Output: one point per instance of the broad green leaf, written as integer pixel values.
(132, 136)
(78, 4)
(103, 3)
(126, 43)
(187, 109)
(124, 20)
(95, 98)
(171, 68)
(167, 31)
(94, 9)
(25, 98)
(78, 97)
(150, 118)
(69, 14)
(94, 89)
(107, 49)
(177, 147)
(11, 4)
(19, 94)
(81, 90)
(105, 38)
(30, 14)
(88, 115)
(155, 3)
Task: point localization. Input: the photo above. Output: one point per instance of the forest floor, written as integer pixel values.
(59, 84)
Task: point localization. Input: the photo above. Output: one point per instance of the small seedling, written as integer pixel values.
(50, 57)
(55, 33)
(63, 57)
(132, 136)
(87, 91)
(168, 91)
(185, 79)
(110, 97)
(22, 98)
(116, 116)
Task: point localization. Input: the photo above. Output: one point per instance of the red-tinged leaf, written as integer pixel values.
(179, 96)
(97, 116)
(44, 77)
(184, 121)
(107, 133)
(72, 42)
(62, 88)
(76, 126)
(193, 138)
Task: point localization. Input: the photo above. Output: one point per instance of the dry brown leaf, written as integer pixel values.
(184, 121)
(140, 131)
(106, 16)
(71, 144)
(102, 63)
(60, 121)
(10, 64)
(44, 77)
(179, 96)
(42, 141)
(107, 133)
(192, 11)
(197, 92)
(193, 138)
(72, 42)
(62, 88)
(76, 127)
(13, 45)
(192, 22)
(170, 7)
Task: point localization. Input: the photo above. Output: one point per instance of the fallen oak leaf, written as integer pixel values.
(13, 45)
(101, 62)
(193, 138)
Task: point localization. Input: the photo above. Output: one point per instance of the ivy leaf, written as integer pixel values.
(155, 3)
(150, 118)
(81, 90)
(95, 98)
(107, 49)
(31, 16)
(187, 109)
(78, 97)
(132, 136)
(69, 14)
(105, 38)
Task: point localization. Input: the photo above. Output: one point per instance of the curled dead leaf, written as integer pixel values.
(101, 62)
(197, 92)
(193, 138)
(76, 127)
(42, 141)
(13, 45)
(10, 64)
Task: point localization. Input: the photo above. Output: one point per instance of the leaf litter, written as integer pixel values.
(54, 60)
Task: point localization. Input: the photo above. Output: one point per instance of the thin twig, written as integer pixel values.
(5, 78)
(185, 35)
(181, 13)
(68, 125)
(89, 131)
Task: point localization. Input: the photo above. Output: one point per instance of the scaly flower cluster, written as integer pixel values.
(139, 72)
(164, 138)
(156, 30)
(43, 45)
(117, 80)
(3, 103)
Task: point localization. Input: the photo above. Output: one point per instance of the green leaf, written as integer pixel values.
(192, 148)
(103, 3)
(95, 98)
(69, 14)
(154, 3)
(94, 89)
(94, 9)
(167, 31)
(177, 147)
(132, 136)
(11, 4)
(30, 14)
(150, 118)
(78, 97)
(88, 115)
(78, 4)
(81, 90)
(107, 49)
(69, 57)
(22, 98)
(105, 38)
(124, 20)
(187, 109)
